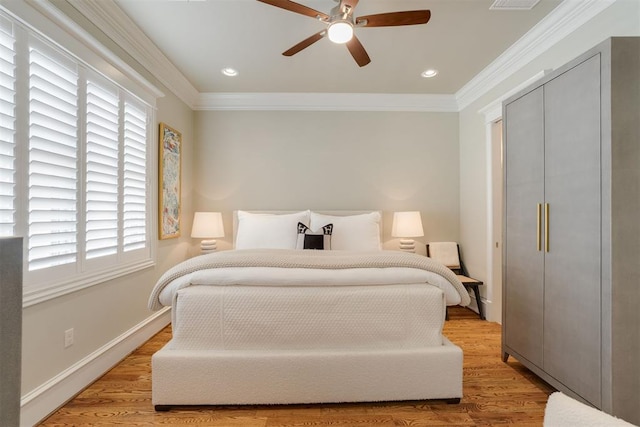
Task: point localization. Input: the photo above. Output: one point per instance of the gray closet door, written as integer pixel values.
(572, 340)
(524, 263)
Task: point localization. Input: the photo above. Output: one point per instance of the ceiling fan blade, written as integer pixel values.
(297, 8)
(392, 19)
(358, 52)
(305, 43)
(351, 4)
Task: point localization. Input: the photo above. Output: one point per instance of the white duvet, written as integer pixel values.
(275, 276)
(285, 268)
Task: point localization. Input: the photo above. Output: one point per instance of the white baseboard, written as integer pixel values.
(488, 309)
(45, 399)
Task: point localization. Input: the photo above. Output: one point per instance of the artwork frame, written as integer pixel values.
(170, 182)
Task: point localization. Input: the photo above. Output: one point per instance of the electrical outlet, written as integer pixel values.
(68, 338)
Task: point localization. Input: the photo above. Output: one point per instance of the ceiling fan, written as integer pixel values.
(341, 22)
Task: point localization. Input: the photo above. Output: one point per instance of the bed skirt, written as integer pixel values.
(209, 377)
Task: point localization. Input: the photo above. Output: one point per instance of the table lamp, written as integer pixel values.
(406, 225)
(207, 226)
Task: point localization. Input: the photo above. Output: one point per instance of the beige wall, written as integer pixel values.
(621, 19)
(389, 161)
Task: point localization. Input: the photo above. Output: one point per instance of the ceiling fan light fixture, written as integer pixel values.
(340, 32)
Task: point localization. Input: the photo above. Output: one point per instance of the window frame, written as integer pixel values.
(52, 282)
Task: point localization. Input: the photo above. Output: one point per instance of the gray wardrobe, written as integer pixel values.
(571, 299)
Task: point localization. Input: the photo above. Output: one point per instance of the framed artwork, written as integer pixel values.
(170, 159)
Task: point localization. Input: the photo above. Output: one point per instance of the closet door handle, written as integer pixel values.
(539, 227)
(546, 227)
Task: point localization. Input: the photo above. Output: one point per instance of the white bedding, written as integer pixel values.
(271, 267)
(312, 318)
(273, 276)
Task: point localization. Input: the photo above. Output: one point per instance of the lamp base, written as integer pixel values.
(208, 246)
(408, 245)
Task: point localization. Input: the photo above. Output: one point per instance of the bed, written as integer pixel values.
(275, 322)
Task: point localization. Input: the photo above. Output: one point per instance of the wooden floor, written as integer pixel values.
(495, 393)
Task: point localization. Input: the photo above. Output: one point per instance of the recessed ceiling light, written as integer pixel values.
(513, 4)
(429, 73)
(229, 72)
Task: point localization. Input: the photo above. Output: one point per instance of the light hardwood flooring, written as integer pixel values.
(495, 393)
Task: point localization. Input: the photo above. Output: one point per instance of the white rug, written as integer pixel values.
(563, 411)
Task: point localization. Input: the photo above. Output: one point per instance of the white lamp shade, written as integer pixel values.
(407, 224)
(207, 225)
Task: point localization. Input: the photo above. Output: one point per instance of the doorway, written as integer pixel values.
(495, 236)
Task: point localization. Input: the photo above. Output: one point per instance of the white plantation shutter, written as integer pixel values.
(7, 128)
(135, 177)
(53, 152)
(102, 143)
(73, 156)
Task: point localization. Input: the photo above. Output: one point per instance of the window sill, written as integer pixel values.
(41, 294)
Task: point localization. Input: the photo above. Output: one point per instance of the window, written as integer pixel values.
(52, 160)
(102, 153)
(7, 128)
(73, 167)
(135, 178)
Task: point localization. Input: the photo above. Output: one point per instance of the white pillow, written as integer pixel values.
(352, 232)
(262, 231)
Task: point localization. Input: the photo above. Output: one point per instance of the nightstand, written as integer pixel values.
(469, 282)
(453, 261)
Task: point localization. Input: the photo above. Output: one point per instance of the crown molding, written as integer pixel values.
(39, 14)
(562, 21)
(117, 25)
(326, 102)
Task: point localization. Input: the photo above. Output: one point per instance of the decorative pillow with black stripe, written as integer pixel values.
(320, 240)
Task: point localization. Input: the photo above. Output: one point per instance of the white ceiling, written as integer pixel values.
(202, 37)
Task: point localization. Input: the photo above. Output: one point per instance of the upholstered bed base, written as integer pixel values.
(206, 377)
(235, 345)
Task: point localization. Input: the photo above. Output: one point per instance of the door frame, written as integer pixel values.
(493, 141)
